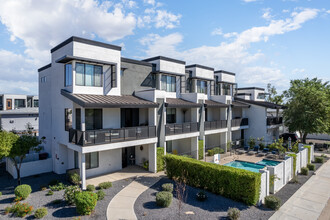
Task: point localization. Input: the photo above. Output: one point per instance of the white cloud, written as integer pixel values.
(151, 2)
(217, 31)
(328, 11)
(44, 24)
(266, 15)
(160, 18)
(229, 35)
(298, 71)
(234, 55)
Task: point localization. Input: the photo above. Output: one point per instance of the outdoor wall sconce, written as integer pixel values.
(141, 148)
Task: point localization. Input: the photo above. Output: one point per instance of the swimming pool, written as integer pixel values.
(245, 165)
(269, 162)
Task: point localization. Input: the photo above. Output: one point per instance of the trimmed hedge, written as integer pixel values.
(311, 166)
(233, 183)
(294, 156)
(167, 187)
(23, 191)
(319, 160)
(304, 171)
(160, 159)
(164, 198)
(272, 202)
(200, 149)
(216, 150)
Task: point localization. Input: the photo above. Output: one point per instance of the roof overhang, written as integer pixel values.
(107, 101)
(261, 103)
(180, 103)
(214, 104)
(238, 104)
(68, 58)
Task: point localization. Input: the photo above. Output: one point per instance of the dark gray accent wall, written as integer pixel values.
(135, 77)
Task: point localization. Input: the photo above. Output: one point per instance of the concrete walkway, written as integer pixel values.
(122, 205)
(310, 200)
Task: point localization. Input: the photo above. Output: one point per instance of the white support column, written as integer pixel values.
(152, 151)
(83, 125)
(194, 147)
(83, 171)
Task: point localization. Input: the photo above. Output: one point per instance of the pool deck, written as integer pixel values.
(226, 158)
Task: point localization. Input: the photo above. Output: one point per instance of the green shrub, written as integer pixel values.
(210, 152)
(160, 159)
(304, 171)
(164, 199)
(201, 196)
(40, 213)
(237, 184)
(100, 195)
(311, 166)
(90, 188)
(146, 165)
(218, 150)
(105, 185)
(0, 194)
(74, 178)
(50, 193)
(69, 193)
(200, 149)
(23, 191)
(167, 187)
(294, 156)
(85, 202)
(272, 202)
(234, 213)
(20, 209)
(309, 152)
(58, 187)
(319, 160)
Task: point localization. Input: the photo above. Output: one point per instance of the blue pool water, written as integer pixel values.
(245, 165)
(268, 162)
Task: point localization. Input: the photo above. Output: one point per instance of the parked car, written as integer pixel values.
(286, 136)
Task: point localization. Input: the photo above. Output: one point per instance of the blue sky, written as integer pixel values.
(262, 41)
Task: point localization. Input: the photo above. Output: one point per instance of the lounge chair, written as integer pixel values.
(264, 152)
(246, 149)
(254, 151)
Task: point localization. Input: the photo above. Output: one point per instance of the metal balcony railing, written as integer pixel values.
(172, 129)
(106, 136)
(274, 121)
(239, 122)
(211, 125)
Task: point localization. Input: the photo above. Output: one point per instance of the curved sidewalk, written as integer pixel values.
(310, 200)
(122, 205)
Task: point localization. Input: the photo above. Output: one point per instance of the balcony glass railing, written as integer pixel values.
(274, 121)
(105, 136)
(172, 129)
(211, 125)
(239, 122)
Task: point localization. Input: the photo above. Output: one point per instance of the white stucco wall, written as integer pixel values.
(227, 77)
(19, 122)
(173, 67)
(111, 118)
(30, 168)
(141, 155)
(257, 122)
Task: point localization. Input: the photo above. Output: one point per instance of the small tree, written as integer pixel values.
(20, 148)
(274, 98)
(7, 139)
(180, 189)
(308, 107)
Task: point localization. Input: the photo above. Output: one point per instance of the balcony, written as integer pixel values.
(188, 127)
(212, 125)
(107, 136)
(239, 122)
(274, 121)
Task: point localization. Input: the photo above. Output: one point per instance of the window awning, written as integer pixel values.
(214, 104)
(108, 101)
(180, 103)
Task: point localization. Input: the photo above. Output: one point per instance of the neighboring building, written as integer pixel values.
(11, 101)
(263, 118)
(20, 120)
(100, 112)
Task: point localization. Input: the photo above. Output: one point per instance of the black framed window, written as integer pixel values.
(93, 119)
(225, 89)
(202, 86)
(19, 103)
(68, 75)
(68, 118)
(92, 160)
(168, 83)
(170, 115)
(89, 75)
(36, 103)
(113, 76)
